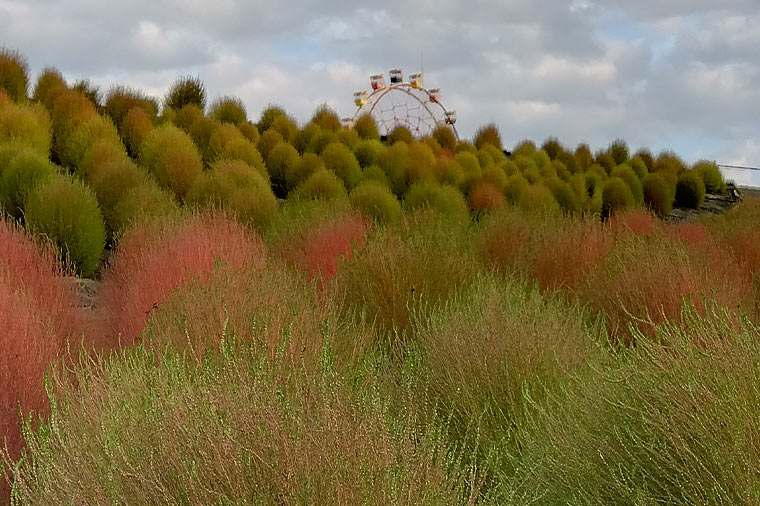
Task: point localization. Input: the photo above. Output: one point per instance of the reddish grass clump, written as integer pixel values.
(486, 197)
(695, 234)
(502, 240)
(154, 259)
(319, 251)
(568, 255)
(745, 246)
(635, 222)
(37, 316)
(645, 281)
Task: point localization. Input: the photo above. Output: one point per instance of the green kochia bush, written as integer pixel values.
(658, 195)
(339, 159)
(616, 196)
(323, 184)
(29, 125)
(670, 421)
(627, 174)
(186, 90)
(282, 165)
(14, 74)
(711, 176)
(229, 110)
(171, 157)
(66, 211)
(375, 200)
(238, 188)
(690, 190)
(145, 201)
(25, 171)
(445, 199)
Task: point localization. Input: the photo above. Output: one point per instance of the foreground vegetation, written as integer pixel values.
(413, 322)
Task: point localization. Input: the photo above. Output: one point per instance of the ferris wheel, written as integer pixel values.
(403, 103)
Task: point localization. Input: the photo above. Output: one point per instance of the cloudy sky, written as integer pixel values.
(667, 74)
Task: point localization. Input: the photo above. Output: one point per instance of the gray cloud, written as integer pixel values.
(666, 73)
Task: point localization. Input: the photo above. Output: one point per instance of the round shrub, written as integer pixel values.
(690, 190)
(711, 176)
(668, 161)
(541, 158)
(320, 140)
(238, 188)
(515, 187)
(268, 140)
(400, 133)
(366, 127)
(14, 74)
(326, 119)
(583, 156)
(496, 153)
(307, 165)
(186, 90)
(366, 151)
(286, 126)
(66, 211)
(422, 160)
(565, 196)
(638, 166)
(645, 156)
(495, 176)
(626, 173)
(375, 173)
(376, 201)
(485, 158)
(268, 115)
(49, 84)
(525, 163)
(146, 201)
(92, 130)
(348, 137)
(525, 147)
(187, 116)
(488, 134)
(111, 182)
(445, 199)
(282, 163)
(135, 128)
(323, 185)
(25, 171)
(552, 147)
(486, 197)
(305, 137)
(658, 196)
(101, 153)
(342, 162)
(465, 146)
(561, 170)
(250, 132)
(616, 196)
(120, 100)
(70, 110)
(444, 136)
(533, 176)
(395, 162)
(471, 169)
(548, 171)
(618, 150)
(227, 143)
(537, 197)
(606, 161)
(89, 90)
(28, 124)
(229, 110)
(448, 171)
(170, 155)
(5, 100)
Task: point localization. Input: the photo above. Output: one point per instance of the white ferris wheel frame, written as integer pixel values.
(374, 98)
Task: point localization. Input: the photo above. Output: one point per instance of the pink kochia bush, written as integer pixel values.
(317, 252)
(156, 258)
(38, 315)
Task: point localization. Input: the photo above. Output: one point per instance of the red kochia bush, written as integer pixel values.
(567, 256)
(156, 258)
(37, 315)
(318, 252)
(635, 222)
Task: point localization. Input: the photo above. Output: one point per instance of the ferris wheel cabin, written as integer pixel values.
(377, 81)
(434, 95)
(397, 76)
(415, 80)
(360, 98)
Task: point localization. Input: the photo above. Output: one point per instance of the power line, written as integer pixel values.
(739, 167)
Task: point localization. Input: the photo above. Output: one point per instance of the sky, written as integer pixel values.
(665, 74)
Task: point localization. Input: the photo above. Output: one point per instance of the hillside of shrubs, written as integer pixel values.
(294, 313)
